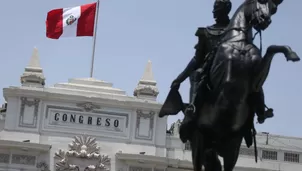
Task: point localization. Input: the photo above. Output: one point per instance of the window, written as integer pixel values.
(4, 158)
(269, 155)
(291, 157)
(188, 146)
(247, 151)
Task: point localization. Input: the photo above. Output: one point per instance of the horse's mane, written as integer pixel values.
(276, 2)
(249, 1)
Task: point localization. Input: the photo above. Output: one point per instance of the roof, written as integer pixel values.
(25, 145)
(167, 162)
(279, 142)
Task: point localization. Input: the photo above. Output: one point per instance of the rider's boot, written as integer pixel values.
(186, 125)
(261, 109)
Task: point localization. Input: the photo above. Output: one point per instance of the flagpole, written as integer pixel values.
(94, 37)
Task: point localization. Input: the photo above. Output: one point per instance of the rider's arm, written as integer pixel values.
(198, 58)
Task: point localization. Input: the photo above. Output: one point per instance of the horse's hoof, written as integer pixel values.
(261, 120)
(292, 56)
(269, 113)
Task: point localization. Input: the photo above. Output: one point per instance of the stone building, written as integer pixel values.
(87, 124)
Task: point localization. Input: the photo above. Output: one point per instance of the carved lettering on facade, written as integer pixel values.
(82, 147)
(87, 120)
(98, 122)
(95, 121)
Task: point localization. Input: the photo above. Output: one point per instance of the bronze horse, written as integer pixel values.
(237, 71)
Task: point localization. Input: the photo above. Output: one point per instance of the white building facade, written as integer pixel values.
(87, 124)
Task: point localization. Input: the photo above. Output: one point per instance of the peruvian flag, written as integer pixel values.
(71, 22)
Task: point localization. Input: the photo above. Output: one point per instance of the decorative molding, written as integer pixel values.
(141, 114)
(170, 149)
(174, 129)
(29, 79)
(4, 158)
(24, 102)
(63, 163)
(2, 116)
(188, 146)
(150, 90)
(23, 159)
(42, 166)
(132, 168)
(82, 147)
(3, 110)
(88, 106)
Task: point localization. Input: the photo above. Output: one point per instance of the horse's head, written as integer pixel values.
(259, 12)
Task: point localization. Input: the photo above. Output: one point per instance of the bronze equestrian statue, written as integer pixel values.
(208, 39)
(235, 73)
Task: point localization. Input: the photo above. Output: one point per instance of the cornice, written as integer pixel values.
(169, 162)
(25, 145)
(164, 161)
(110, 100)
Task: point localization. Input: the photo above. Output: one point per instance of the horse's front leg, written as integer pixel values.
(212, 162)
(263, 68)
(231, 152)
(197, 143)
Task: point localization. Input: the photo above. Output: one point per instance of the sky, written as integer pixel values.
(131, 32)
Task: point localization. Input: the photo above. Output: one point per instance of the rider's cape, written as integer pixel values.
(173, 104)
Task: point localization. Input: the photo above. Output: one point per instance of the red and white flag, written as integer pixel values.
(71, 22)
